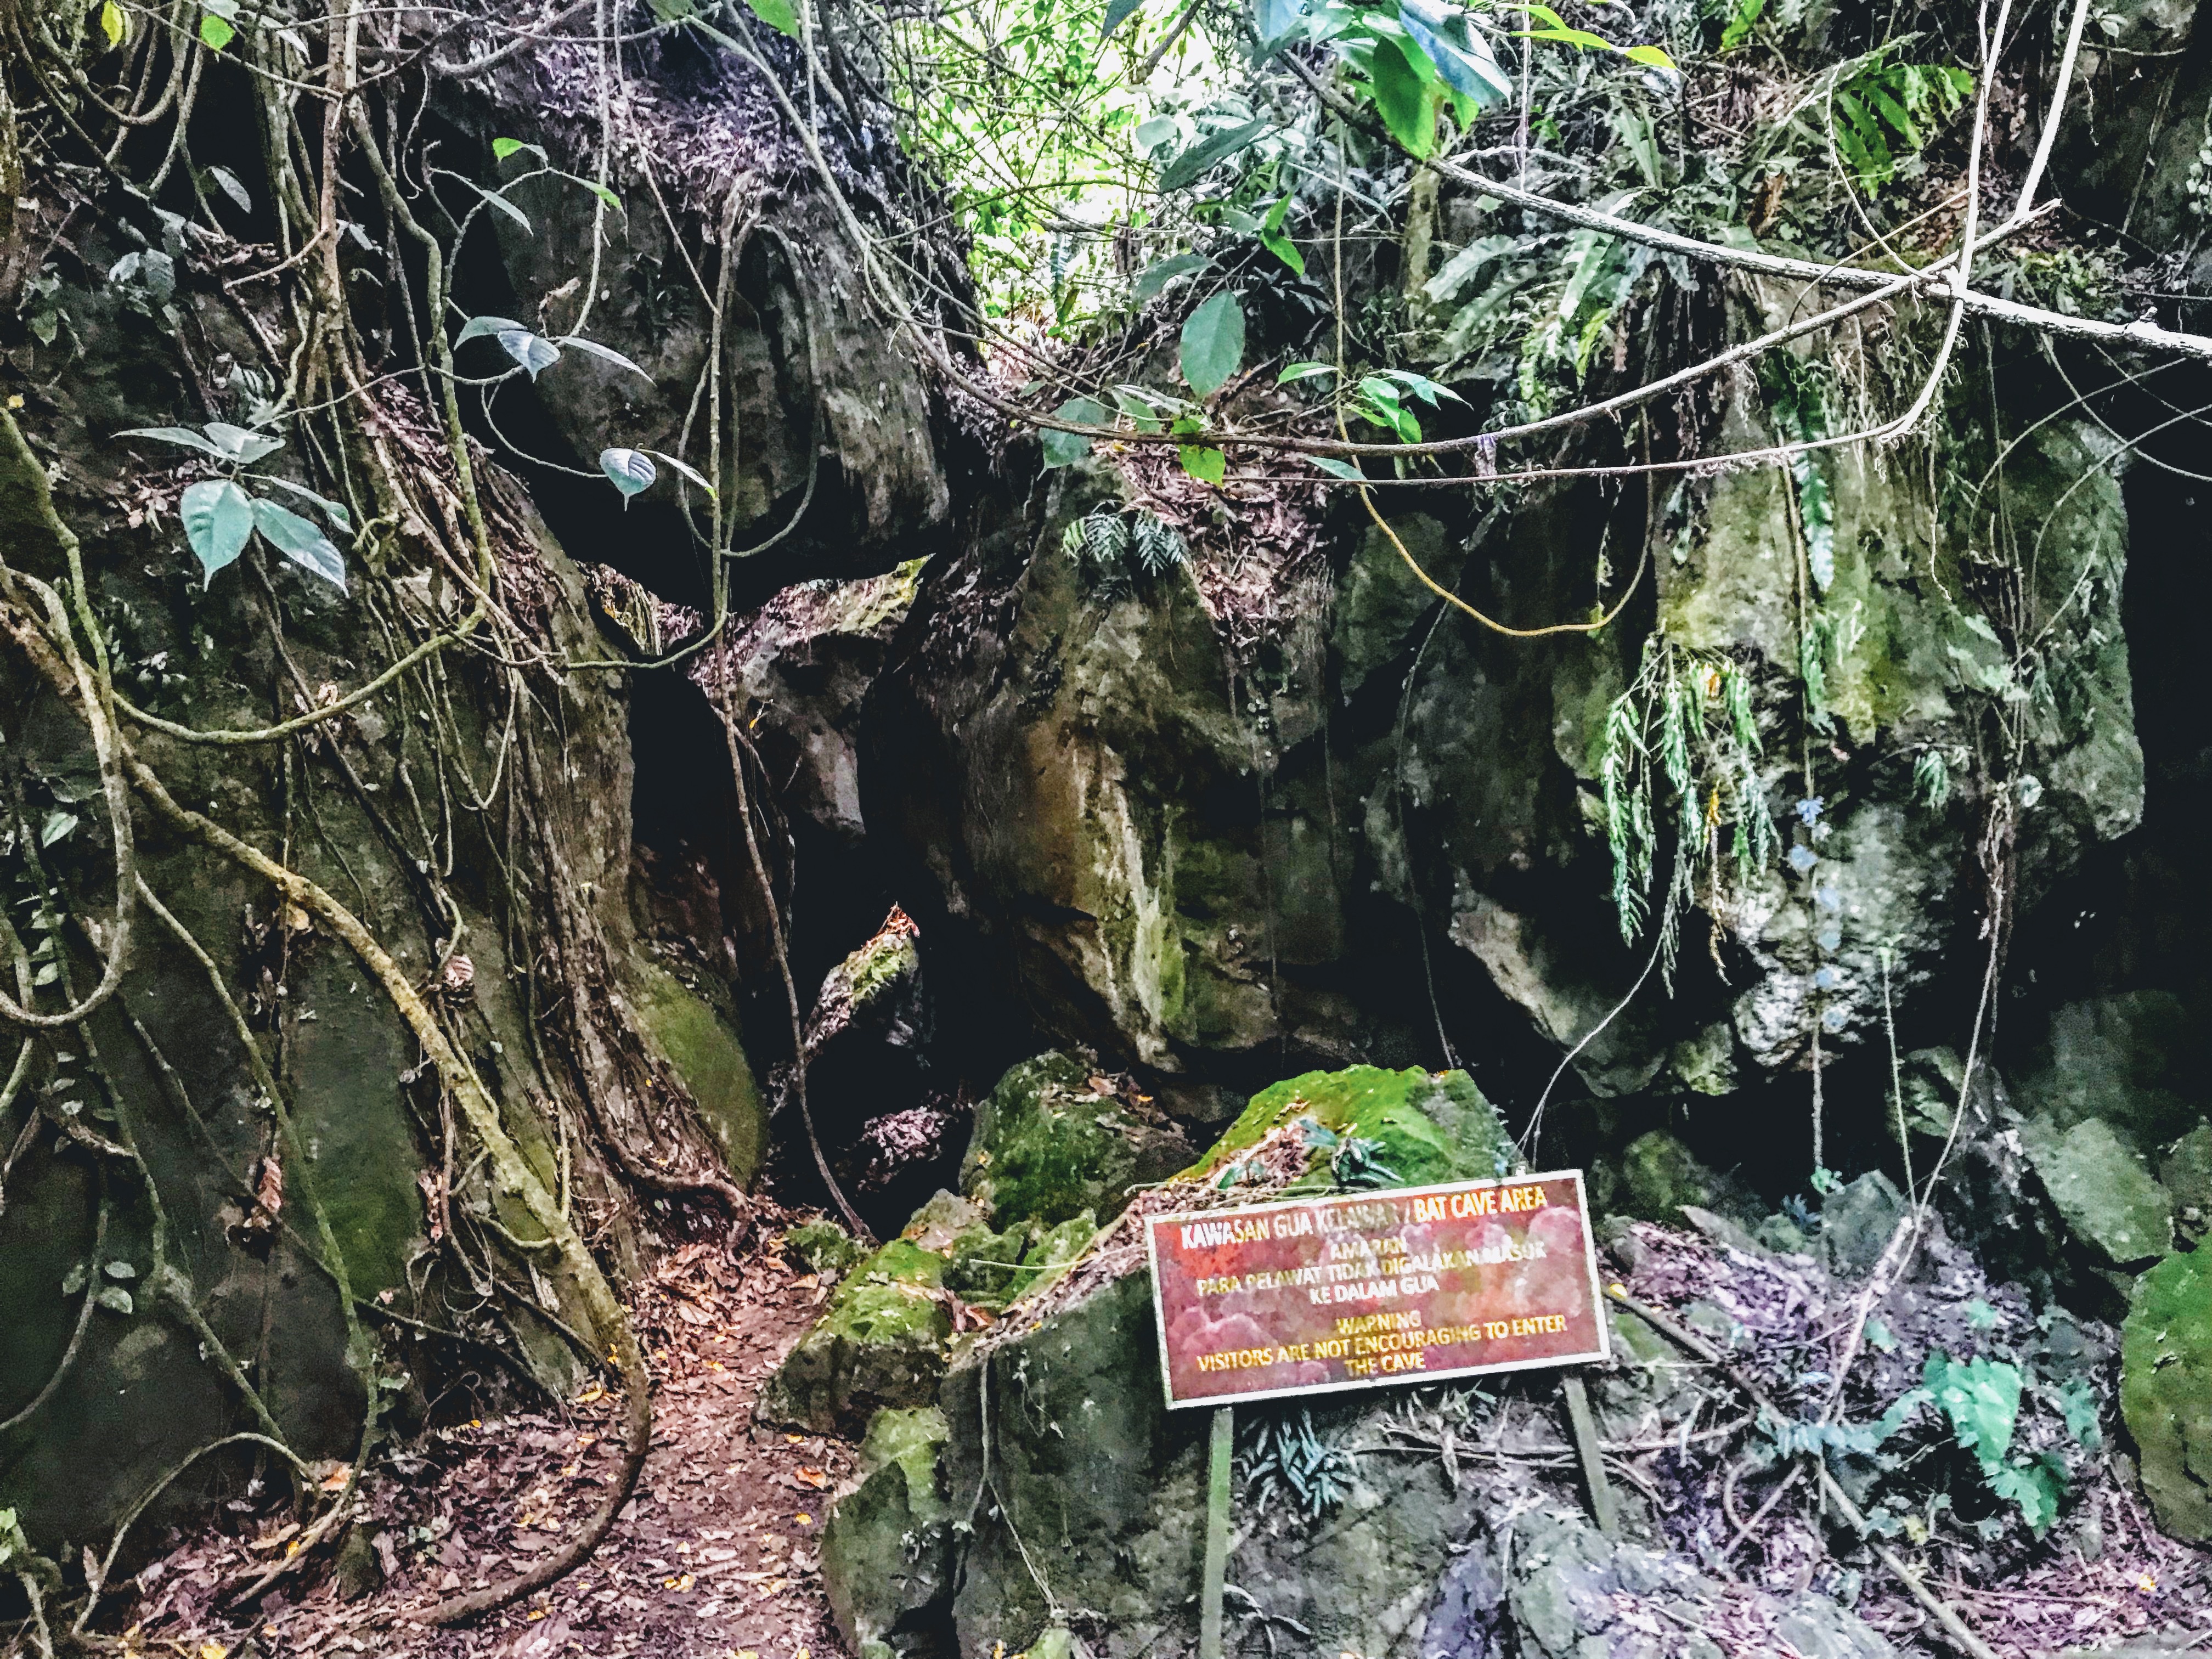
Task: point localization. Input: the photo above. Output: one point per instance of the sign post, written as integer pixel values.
(1367, 1289)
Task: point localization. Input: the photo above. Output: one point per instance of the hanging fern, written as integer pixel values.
(1118, 551)
(1886, 112)
(1685, 730)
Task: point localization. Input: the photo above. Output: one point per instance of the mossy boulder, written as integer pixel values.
(2099, 1185)
(1660, 1176)
(881, 1342)
(2165, 1390)
(823, 1246)
(1048, 1146)
(886, 1552)
(1426, 1127)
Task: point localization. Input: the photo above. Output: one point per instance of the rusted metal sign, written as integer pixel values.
(1359, 1289)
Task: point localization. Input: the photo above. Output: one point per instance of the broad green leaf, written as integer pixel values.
(1066, 448)
(1296, 372)
(1337, 469)
(115, 1299)
(605, 354)
(1206, 465)
(181, 435)
(1118, 12)
(503, 147)
(777, 15)
(1212, 345)
(597, 189)
(114, 24)
(685, 470)
(1461, 57)
(1200, 158)
(73, 1280)
(120, 1270)
(218, 522)
(1157, 275)
(227, 181)
(1402, 99)
(1981, 1400)
(58, 824)
(242, 444)
(331, 510)
(216, 31)
(1651, 55)
(298, 540)
(630, 470)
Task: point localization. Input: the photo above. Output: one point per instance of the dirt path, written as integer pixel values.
(716, 1557)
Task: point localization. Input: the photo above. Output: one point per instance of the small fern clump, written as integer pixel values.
(1121, 551)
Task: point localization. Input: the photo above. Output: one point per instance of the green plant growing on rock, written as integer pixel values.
(1682, 740)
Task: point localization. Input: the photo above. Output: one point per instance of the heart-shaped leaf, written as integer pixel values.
(1206, 465)
(216, 30)
(527, 346)
(1212, 343)
(631, 470)
(218, 522)
(298, 540)
(1066, 448)
(115, 1298)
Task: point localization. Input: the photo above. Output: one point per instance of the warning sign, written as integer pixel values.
(1358, 1290)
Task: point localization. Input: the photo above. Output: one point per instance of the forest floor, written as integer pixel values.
(716, 1557)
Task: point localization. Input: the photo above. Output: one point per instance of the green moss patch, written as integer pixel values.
(2166, 1390)
(1427, 1127)
(881, 1342)
(1047, 1147)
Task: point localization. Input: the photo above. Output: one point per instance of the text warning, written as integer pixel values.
(1355, 1290)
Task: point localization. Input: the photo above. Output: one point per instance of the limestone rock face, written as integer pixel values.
(2165, 1390)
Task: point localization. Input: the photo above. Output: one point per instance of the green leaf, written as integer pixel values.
(1276, 22)
(1212, 345)
(686, 471)
(630, 470)
(1303, 371)
(216, 33)
(58, 824)
(1337, 469)
(502, 149)
(1066, 448)
(605, 354)
(114, 24)
(1206, 465)
(777, 15)
(242, 444)
(115, 1298)
(183, 436)
(298, 540)
(120, 1270)
(227, 181)
(331, 510)
(1200, 158)
(1273, 238)
(73, 1280)
(1401, 98)
(218, 522)
(1118, 12)
(1159, 274)
(1461, 57)
(1152, 134)
(1138, 408)
(528, 348)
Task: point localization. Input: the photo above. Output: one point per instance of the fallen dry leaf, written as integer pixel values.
(816, 1478)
